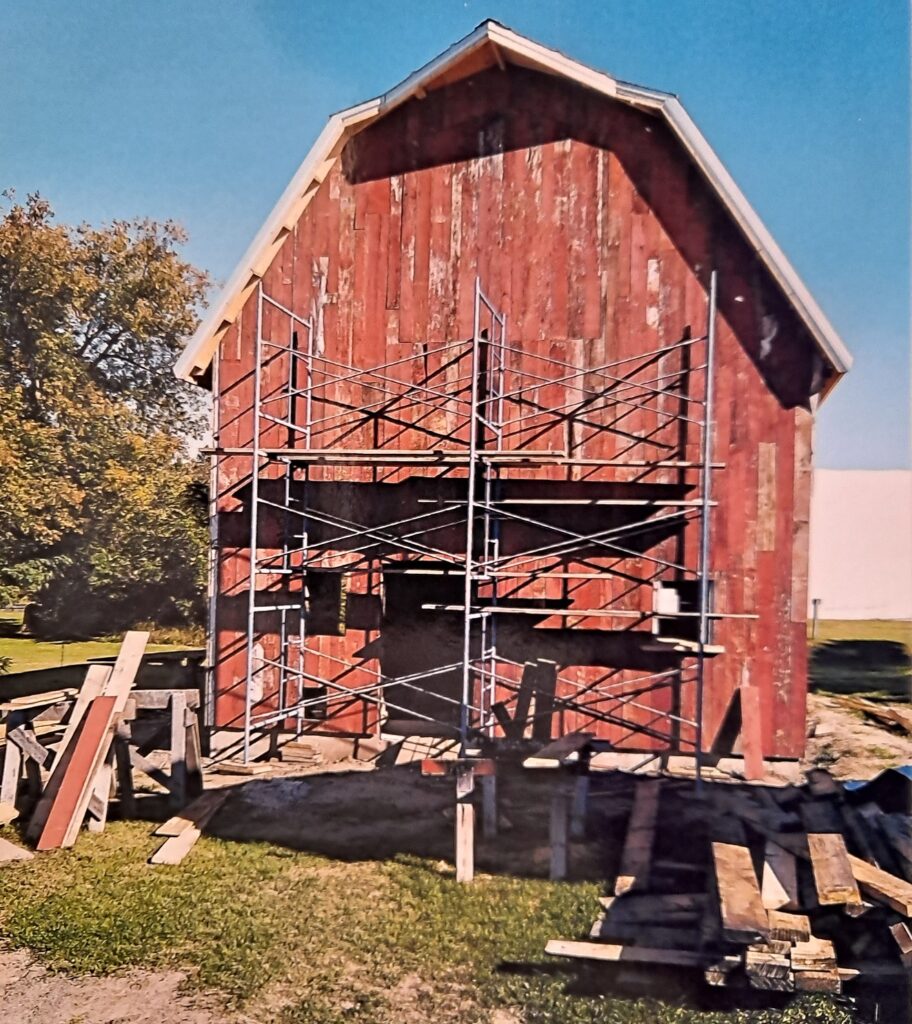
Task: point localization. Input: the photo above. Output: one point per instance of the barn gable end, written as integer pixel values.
(594, 233)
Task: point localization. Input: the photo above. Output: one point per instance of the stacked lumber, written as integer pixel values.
(300, 753)
(83, 762)
(75, 747)
(96, 743)
(789, 889)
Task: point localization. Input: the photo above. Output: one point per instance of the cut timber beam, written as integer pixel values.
(25, 740)
(117, 687)
(173, 850)
(877, 883)
(103, 697)
(768, 969)
(744, 918)
(629, 954)
(657, 936)
(833, 875)
(788, 927)
(158, 700)
(184, 829)
(196, 814)
(883, 887)
(636, 859)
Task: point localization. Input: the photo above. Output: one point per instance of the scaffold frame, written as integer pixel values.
(492, 407)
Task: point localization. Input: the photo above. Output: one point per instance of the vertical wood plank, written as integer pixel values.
(560, 806)
(465, 824)
(12, 763)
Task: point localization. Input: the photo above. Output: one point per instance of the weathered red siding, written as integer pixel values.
(589, 227)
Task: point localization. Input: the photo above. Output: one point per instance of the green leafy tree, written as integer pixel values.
(101, 508)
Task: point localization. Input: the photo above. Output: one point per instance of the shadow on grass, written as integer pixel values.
(10, 627)
(872, 667)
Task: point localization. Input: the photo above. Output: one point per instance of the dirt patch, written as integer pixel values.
(30, 994)
(849, 746)
(376, 815)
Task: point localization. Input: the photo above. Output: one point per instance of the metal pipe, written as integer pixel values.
(470, 534)
(254, 533)
(705, 489)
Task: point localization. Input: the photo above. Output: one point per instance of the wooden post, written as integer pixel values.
(465, 823)
(558, 832)
(124, 769)
(489, 806)
(194, 757)
(178, 749)
(580, 796)
(12, 763)
(101, 795)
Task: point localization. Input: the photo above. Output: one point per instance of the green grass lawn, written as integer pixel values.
(295, 938)
(26, 653)
(870, 657)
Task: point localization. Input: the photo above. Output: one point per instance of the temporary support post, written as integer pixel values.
(560, 806)
(580, 794)
(489, 806)
(465, 823)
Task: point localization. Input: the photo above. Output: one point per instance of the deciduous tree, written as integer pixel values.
(99, 497)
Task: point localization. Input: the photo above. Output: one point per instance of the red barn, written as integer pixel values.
(513, 410)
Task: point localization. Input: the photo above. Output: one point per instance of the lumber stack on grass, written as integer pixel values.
(783, 910)
(79, 773)
(83, 753)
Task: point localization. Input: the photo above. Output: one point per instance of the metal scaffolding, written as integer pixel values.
(482, 414)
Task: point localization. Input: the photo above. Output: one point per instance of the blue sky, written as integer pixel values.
(201, 111)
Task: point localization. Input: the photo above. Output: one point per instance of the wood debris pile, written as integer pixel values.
(895, 717)
(787, 889)
(66, 753)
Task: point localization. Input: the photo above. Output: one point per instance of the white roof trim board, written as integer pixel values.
(197, 356)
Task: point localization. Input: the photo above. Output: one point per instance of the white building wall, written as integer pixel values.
(861, 543)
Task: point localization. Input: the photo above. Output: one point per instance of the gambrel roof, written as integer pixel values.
(492, 44)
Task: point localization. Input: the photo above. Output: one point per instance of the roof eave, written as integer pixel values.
(198, 354)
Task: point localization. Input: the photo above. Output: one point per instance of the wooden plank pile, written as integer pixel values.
(299, 753)
(787, 889)
(90, 750)
(891, 716)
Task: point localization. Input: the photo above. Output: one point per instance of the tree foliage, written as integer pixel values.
(101, 508)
